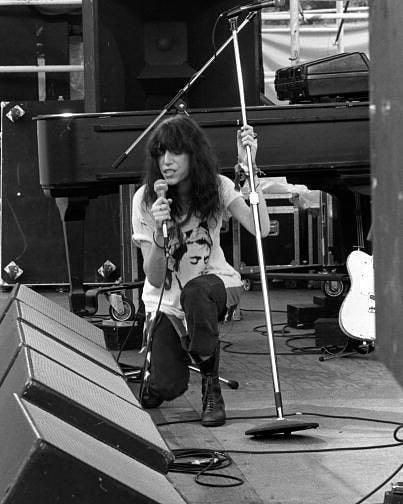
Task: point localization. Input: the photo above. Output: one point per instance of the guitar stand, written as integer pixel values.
(362, 348)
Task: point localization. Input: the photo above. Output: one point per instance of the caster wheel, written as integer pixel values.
(127, 312)
(333, 288)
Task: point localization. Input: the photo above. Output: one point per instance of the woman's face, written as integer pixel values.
(174, 167)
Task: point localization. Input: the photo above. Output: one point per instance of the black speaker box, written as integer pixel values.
(17, 333)
(331, 305)
(329, 334)
(122, 335)
(303, 316)
(338, 76)
(59, 314)
(142, 53)
(87, 406)
(19, 316)
(30, 221)
(45, 460)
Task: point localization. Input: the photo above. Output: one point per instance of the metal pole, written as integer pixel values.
(41, 68)
(281, 424)
(254, 201)
(6, 3)
(294, 32)
(340, 26)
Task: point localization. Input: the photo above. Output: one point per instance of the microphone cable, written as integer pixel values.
(148, 343)
(201, 462)
(136, 373)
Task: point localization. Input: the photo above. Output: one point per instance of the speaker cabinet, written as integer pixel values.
(140, 54)
(19, 316)
(55, 312)
(17, 333)
(87, 406)
(46, 460)
(31, 229)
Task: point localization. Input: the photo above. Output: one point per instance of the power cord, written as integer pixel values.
(223, 453)
(201, 462)
(295, 350)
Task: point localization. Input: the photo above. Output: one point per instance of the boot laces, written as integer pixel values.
(209, 395)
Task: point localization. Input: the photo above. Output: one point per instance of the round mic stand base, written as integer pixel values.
(280, 426)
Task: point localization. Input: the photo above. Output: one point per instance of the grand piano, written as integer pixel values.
(324, 146)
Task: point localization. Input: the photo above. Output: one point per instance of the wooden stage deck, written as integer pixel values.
(337, 463)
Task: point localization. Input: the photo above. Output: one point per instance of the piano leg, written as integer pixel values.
(72, 212)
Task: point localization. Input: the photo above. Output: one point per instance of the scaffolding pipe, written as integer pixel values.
(309, 16)
(340, 27)
(7, 3)
(39, 69)
(294, 31)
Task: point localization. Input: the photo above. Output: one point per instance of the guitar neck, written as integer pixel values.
(358, 220)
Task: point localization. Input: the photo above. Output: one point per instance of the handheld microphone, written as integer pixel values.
(255, 6)
(161, 189)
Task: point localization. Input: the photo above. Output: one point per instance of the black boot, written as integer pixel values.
(213, 412)
(149, 400)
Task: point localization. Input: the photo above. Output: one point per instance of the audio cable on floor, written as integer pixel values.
(200, 462)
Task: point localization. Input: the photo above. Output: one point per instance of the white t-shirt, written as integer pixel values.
(194, 250)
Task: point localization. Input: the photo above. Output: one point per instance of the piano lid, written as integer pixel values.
(313, 144)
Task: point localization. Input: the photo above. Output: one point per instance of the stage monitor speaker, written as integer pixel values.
(19, 313)
(59, 314)
(141, 54)
(16, 333)
(87, 406)
(45, 460)
(338, 77)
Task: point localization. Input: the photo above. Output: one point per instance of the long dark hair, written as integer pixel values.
(181, 134)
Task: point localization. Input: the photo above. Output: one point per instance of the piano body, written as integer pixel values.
(324, 146)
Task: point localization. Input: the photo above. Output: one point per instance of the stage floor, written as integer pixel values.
(348, 397)
(355, 400)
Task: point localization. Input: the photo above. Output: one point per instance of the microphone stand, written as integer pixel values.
(180, 93)
(281, 424)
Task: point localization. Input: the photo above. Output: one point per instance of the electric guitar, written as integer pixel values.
(357, 312)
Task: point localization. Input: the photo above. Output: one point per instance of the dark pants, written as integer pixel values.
(203, 301)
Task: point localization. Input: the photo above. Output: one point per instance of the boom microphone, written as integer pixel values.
(255, 6)
(161, 189)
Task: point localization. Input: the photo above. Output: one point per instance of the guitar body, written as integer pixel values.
(357, 312)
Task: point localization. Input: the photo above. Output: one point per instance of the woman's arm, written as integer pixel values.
(153, 252)
(243, 213)
(238, 208)
(154, 261)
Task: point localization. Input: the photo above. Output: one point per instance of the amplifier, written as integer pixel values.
(328, 333)
(341, 76)
(303, 316)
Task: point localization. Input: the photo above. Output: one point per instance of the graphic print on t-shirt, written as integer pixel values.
(189, 253)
